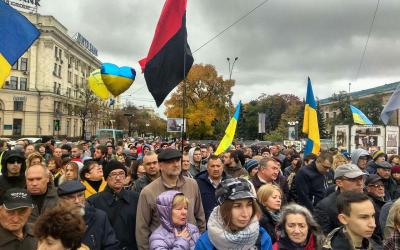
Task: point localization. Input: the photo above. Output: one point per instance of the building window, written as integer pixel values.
(76, 64)
(13, 82)
(15, 66)
(76, 79)
(76, 93)
(326, 115)
(59, 53)
(18, 105)
(55, 69)
(17, 126)
(23, 83)
(59, 71)
(56, 52)
(70, 76)
(24, 64)
(68, 92)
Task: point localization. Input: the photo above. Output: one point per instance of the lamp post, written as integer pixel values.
(129, 116)
(230, 68)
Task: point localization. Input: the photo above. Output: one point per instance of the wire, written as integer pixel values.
(366, 44)
(230, 26)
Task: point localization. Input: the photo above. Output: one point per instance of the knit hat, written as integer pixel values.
(377, 154)
(250, 165)
(396, 169)
(112, 165)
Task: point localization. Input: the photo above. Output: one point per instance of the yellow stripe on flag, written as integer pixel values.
(5, 69)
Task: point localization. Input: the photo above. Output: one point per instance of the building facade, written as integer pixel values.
(44, 93)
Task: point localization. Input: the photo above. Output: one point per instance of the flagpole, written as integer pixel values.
(184, 95)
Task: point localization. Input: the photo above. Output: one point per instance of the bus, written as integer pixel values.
(108, 134)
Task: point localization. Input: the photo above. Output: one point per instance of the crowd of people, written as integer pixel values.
(159, 195)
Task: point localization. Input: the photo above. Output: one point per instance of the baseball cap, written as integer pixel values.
(349, 171)
(15, 198)
(233, 189)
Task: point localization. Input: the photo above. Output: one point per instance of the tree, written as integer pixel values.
(323, 134)
(371, 107)
(207, 101)
(90, 107)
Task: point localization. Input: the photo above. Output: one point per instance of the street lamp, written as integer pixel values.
(230, 68)
(129, 116)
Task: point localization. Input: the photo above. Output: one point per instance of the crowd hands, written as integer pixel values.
(139, 195)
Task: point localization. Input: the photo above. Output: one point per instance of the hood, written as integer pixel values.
(191, 151)
(164, 207)
(7, 155)
(357, 153)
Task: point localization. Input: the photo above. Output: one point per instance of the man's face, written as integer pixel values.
(270, 172)
(377, 189)
(383, 172)
(227, 159)
(185, 163)
(204, 153)
(266, 154)
(150, 163)
(171, 168)
(116, 179)
(76, 199)
(14, 220)
(29, 150)
(323, 167)
(215, 168)
(95, 172)
(37, 179)
(274, 150)
(361, 221)
(351, 184)
(75, 153)
(57, 152)
(14, 166)
(97, 154)
(110, 150)
(362, 162)
(197, 156)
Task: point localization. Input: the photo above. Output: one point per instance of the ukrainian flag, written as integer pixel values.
(229, 132)
(16, 35)
(310, 123)
(359, 117)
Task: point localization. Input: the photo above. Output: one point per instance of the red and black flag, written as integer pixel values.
(169, 58)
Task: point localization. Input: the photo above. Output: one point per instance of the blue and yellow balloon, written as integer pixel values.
(96, 85)
(117, 79)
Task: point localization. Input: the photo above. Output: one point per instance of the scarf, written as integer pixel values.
(224, 239)
(275, 216)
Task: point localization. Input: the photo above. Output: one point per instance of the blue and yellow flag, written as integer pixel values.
(16, 35)
(310, 123)
(229, 132)
(359, 117)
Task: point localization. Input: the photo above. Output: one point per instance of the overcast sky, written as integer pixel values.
(278, 45)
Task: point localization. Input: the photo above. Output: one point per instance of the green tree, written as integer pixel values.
(371, 107)
(323, 133)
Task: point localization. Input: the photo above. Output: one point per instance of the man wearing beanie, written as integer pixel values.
(99, 233)
(119, 204)
(13, 171)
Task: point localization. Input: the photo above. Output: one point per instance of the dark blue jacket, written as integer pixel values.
(99, 233)
(311, 186)
(263, 242)
(121, 211)
(207, 192)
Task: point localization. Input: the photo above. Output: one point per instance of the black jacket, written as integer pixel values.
(338, 240)
(207, 192)
(99, 233)
(121, 211)
(325, 213)
(140, 183)
(281, 181)
(267, 223)
(8, 241)
(7, 182)
(311, 186)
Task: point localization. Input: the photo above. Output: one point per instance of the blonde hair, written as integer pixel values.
(179, 199)
(336, 159)
(32, 156)
(257, 157)
(266, 190)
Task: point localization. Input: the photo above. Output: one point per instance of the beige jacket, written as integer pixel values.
(147, 219)
(389, 227)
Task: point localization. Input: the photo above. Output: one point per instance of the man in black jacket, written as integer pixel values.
(119, 204)
(313, 180)
(208, 182)
(99, 233)
(13, 171)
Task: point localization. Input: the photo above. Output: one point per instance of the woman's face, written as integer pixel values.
(296, 228)
(179, 214)
(49, 243)
(274, 201)
(35, 161)
(51, 165)
(242, 211)
(70, 173)
(254, 171)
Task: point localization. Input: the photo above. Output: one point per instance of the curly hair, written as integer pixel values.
(62, 223)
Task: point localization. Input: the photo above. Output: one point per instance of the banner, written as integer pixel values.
(342, 137)
(392, 140)
(175, 125)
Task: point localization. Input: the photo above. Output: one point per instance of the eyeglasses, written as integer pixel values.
(376, 185)
(119, 174)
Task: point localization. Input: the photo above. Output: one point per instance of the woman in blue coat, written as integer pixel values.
(233, 224)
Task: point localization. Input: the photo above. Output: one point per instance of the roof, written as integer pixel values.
(390, 87)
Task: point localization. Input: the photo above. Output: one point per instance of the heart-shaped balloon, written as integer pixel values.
(96, 85)
(117, 79)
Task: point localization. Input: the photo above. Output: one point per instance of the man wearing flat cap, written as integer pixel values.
(119, 204)
(147, 219)
(99, 233)
(383, 169)
(16, 207)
